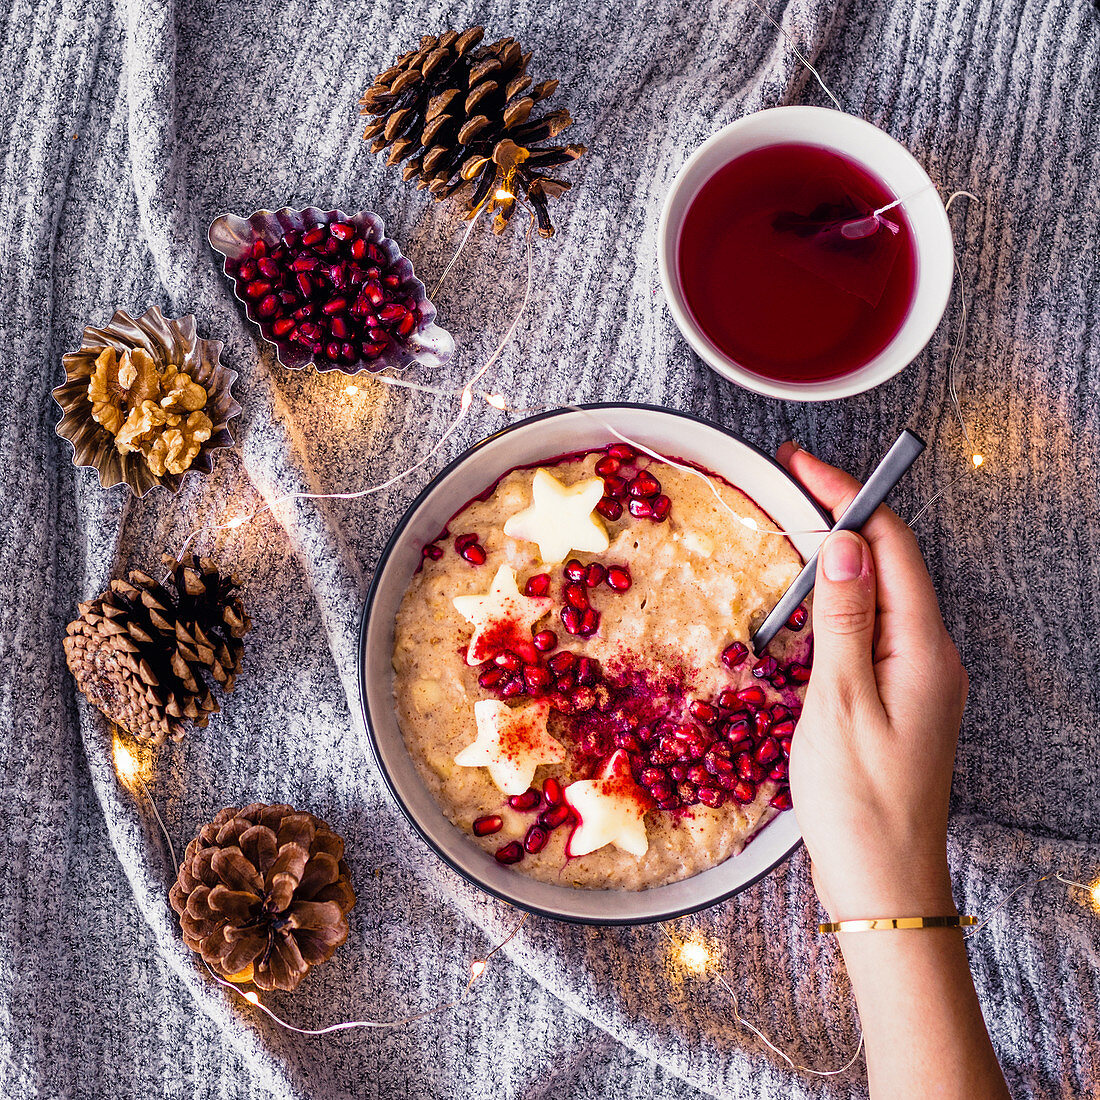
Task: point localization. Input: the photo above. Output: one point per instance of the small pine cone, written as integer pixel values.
(460, 116)
(263, 894)
(146, 653)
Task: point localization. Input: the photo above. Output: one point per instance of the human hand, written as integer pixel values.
(872, 755)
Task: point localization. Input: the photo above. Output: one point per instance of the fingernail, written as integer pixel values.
(843, 557)
(793, 444)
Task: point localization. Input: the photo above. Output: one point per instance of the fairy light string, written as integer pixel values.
(132, 771)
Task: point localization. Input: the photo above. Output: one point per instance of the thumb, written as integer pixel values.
(844, 611)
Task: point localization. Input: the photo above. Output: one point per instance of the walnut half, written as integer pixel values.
(157, 413)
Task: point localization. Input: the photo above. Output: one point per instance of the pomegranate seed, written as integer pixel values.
(698, 774)
(508, 661)
(342, 231)
(590, 623)
(661, 791)
(727, 699)
(622, 452)
(304, 263)
(491, 677)
(269, 305)
(662, 505)
(247, 271)
(304, 284)
(545, 640)
(257, 288)
(753, 695)
(618, 578)
(608, 465)
(432, 551)
(743, 791)
(779, 712)
(766, 751)
(485, 826)
(565, 684)
(734, 654)
(649, 776)
(594, 575)
(784, 728)
(785, 745)
(538, 585)
(510, 853)
(462, 541)
(574, 570)
(726, 780)
(536, 839)
(688, 793)
(334, 305)
(475, 554)
(571, 619)
(258, 249)
(779, 680)
(527, 652)
(712, 797)
(359, 248)
(584, 698)
(747, 768)
(392, 281)
(392, 312)
(779, 770)
(628, 740)
(551, 791)
(717, 765)
(313, 237)
(721, 748)
(782, 801)
(703, 712)
(576, 596)
(640, 509)
(644, 485)
(304, 313)
(561, 662)
(615, 486)
(799, 673)
(525, 802)
(554, 816)
(406, 326)
(372, 350)
(283, 327)
(672, 803)
(537, 679)
(340, 327)
(332, 350)
(798, 618)
(765, 667)
(609, 508)
(289, 300)
(269, 268)
(588, 671)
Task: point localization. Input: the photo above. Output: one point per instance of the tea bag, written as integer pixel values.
(839, 237)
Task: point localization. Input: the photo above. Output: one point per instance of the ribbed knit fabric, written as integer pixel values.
(125, 129)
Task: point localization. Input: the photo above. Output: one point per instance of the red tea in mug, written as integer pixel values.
(786, 268)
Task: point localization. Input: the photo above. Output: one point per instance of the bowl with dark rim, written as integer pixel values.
(540, 438)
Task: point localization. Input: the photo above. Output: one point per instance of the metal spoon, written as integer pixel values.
(877, 488)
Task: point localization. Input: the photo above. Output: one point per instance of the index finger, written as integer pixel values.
(905, 590)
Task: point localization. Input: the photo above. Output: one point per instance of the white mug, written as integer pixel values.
(878, 153)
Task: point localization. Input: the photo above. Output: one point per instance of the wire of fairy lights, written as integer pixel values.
(131, 770)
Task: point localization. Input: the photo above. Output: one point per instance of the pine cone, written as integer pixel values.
(145, 654)
(459, 114)
(263, 894)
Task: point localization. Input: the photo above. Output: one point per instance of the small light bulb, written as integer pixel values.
(977, 459)
(1094, 893)
(477, 968)
(496, 401)
(749, 522)
(467, 397)
(695, 955)
(237, 521)
(126, 763)
(351, 390)
(252, 998)
(502, 195)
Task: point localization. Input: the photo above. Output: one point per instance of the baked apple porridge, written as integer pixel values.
(573, 673)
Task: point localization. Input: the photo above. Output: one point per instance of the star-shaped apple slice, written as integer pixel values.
(611, 809)
(511, 742)
(502, 618)
(560, 518)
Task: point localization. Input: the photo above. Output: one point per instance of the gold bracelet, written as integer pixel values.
(877, 924)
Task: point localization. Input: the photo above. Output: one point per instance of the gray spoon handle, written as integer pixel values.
(877, 488)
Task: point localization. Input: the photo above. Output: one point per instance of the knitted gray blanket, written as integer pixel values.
(126, 128)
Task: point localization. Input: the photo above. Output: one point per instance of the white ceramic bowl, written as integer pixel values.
(543, 437)
(885, 158)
